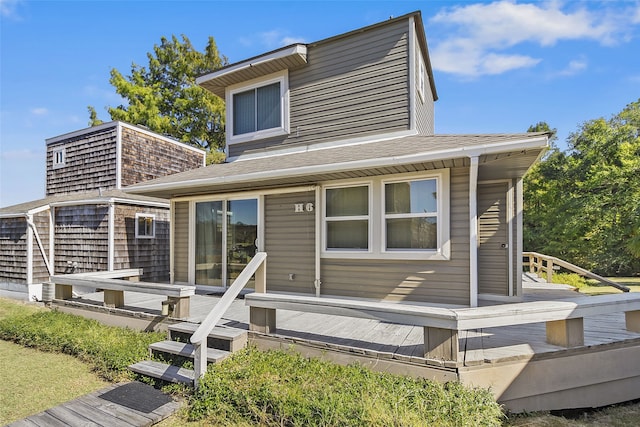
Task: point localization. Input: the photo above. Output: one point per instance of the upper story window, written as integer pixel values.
(391, 217)
(59, 157)
(259, 109)
(422, 80)
(145, 226)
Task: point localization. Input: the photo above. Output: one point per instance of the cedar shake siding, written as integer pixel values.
(146, 157)
(290, 243)
(352, 87)
(81, 236)
(89, 163)
(40, 271)
(13, 250)
(410, 280)
(150, 254)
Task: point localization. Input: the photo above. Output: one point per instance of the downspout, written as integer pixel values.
(111, 238)
(473, 232)
(317, 282)
(34, 233)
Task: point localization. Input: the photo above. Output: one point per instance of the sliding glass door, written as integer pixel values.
(226, 233)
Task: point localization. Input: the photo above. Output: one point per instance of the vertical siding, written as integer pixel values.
(146, 157)
(352, 87)
(493, 260)
(181, 242)
(90, 163)
(290, 243)
(152, 255)
(81, 236)
(40, 272)
(13, 250)
(419, 281)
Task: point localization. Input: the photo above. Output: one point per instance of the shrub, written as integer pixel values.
(108, 349)
(570, 279)
(281, 388)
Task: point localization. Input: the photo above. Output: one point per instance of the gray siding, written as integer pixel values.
(493, 260)
(81, 236)
(352, 87)
(290, 243)
(424, 111)
(181, 242)
(152, 255)
(90, 163)
(146, 157)
(422, 281)
(13, 250)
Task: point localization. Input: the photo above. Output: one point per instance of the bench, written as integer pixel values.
(563, 318)
(114, 286)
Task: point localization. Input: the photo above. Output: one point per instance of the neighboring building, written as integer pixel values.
(86, 222)
(335, 171)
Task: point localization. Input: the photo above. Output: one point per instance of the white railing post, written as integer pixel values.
(199, 361)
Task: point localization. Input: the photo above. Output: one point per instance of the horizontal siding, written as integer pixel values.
(424, 107)
(290, 243)
(152, 255)
(351, 87)
(13, 250)
(421, 281)
(146, 157)
(181, 242)
(90, 163)
(81, 237)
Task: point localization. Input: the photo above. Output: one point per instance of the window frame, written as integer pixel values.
(422, 79)
(368, 218)
(377, 219)
(153, 226)
(280, 77)
(59, 157)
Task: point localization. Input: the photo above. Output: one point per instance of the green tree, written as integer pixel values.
(584, 205)
(93, 117)
(164, 97)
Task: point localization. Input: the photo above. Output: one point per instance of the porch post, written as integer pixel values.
(473, 232)
(111, 237)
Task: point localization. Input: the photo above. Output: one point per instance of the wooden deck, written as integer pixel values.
(495, 357)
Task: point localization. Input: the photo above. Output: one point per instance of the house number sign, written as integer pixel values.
(303, 207)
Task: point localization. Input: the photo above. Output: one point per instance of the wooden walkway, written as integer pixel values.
(120, 405)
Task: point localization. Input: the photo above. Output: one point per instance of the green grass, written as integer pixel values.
(32, 381)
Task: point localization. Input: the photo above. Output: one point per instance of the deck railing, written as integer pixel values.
(257, 265)
(547, 264)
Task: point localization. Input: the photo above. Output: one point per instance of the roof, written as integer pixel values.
(503, 155)
(84, 198)
(295, 56)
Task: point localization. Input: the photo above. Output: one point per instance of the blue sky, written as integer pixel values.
(498, 66)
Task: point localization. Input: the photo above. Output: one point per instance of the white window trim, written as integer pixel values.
(377, 231)
(59, 151)
(153, 226)
(368, 217)
(422, 79)
(283, 129)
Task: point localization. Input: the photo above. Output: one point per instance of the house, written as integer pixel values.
(334, 170)
(86, 222)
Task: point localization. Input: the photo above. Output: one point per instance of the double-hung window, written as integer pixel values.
(59, 157)
(347, 218)
(145, 226)
(259, 109)
(411, 215)
(389, 217)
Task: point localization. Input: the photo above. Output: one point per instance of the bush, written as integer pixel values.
(280, 388)
(570, 279)
(110, 350)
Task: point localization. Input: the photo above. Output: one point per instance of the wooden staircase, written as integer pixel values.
(221, 343)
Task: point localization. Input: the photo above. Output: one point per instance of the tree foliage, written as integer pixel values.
(583, 205)
(164, 97)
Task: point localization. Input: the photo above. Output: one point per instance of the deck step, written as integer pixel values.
(164, 372)
(229, 339)
(188, 350)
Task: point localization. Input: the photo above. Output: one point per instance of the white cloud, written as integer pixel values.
(574, 67)
(39, 111)
(9, 8)
(270, 39)
(487, 31)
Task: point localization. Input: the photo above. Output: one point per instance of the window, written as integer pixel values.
(259, 109)
(145, 226)
(422, 80)
(411, 215)
(347, 218)
(390, 217)
(59, 157)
